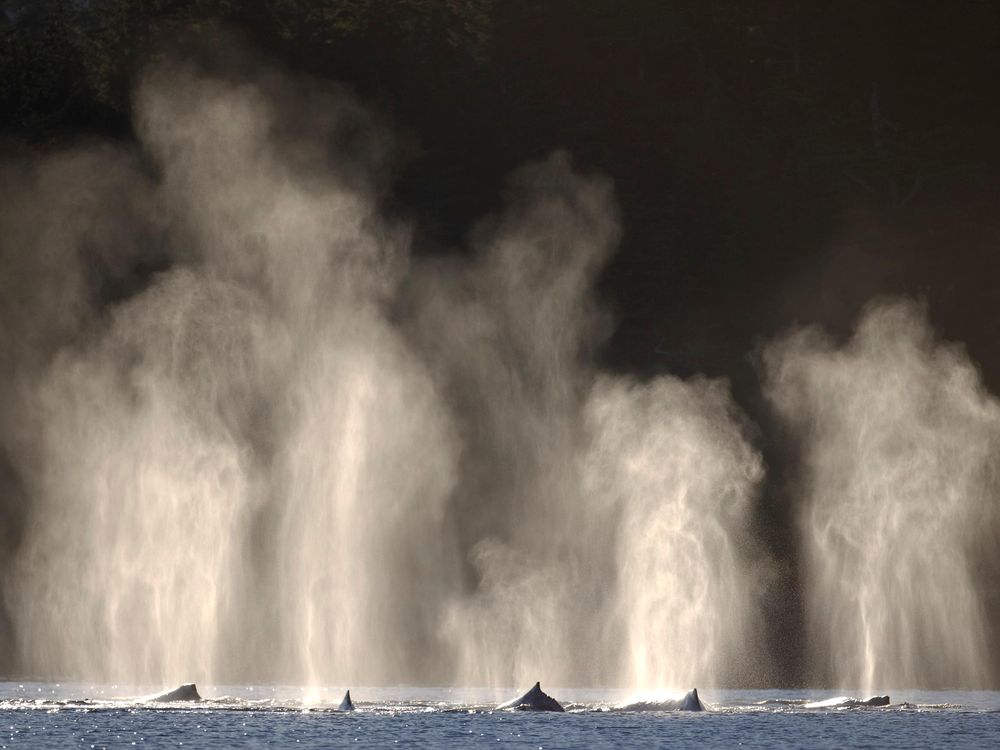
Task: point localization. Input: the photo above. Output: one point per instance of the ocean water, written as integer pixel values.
(90, 716)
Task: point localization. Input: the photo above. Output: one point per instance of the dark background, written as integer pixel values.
(776, 162)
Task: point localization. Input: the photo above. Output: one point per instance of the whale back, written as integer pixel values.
(187, 692)
(347, 704)
(877, 700)
(845, 702)
(533, 700)
(690, 702)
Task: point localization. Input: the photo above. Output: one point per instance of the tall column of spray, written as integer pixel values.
(504, 332)
(900, 448)
(241, 474)
(133, 550)
(240, 468)
(362, 464)
(603, 518)
(669, 459)
(91, 592)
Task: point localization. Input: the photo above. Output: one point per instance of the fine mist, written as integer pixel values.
(605, 520)
(900, 446)
(255, 439)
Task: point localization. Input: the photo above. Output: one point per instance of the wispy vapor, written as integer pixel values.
(294, 452)
(899, 481)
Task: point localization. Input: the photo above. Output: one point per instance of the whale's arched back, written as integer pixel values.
(690, 702)
(188, 692)
(533, 700)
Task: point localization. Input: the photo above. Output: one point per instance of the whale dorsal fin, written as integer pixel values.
(347, 704)
(691, 702)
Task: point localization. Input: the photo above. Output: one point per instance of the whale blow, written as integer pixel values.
(187, 692)
(533, 700)
(347, 704)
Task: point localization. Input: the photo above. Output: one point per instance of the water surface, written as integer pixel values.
(93, 716)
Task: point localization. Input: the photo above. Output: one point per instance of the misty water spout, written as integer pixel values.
(900, 451)
(298, 453)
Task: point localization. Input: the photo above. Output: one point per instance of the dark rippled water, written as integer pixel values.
(46, 715)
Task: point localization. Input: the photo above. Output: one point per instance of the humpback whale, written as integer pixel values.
(346, 704)
(187, 692)
(533, 700)
(844, 702)
(690, 702)
(876, 700)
